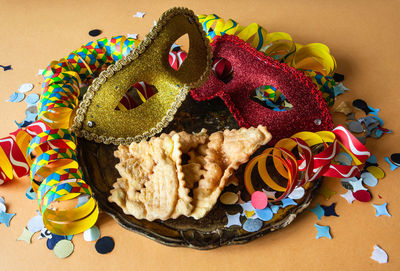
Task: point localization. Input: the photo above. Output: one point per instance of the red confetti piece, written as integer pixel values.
(362, 195)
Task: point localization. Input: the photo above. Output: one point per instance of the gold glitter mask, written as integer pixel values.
(97, 118)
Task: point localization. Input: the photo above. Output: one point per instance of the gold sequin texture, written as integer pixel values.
(148, 63)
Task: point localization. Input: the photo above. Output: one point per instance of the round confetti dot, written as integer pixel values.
(35, 224)
(63, 248)
(343, 158)
(91, 234)
(25, 87)
(252, 225)
(297, 193)
(94, 32)
(104, 245)
(376, 171)
(355, 127)
(51, 242)
(32, 98)
(369, 179)
(259, 200)
(16, 97)
(395, 157)
(362, 195)
(229, 198)
(265, 214)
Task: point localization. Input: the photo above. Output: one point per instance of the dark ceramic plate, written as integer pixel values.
(98, 163)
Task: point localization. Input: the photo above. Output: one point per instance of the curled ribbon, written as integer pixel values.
(305, 157)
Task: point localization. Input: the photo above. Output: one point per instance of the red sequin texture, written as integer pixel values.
(252, 69)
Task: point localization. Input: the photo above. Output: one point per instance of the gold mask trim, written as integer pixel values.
(193, 73)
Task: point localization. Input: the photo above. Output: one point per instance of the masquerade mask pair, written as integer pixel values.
(99, 116)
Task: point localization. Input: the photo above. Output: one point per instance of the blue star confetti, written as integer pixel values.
(329, 210)
(318, 211)
(6, 68)
(392, 165)
(323, 231)
(381, 209)
(5, 218)
(288, 202)
(233, 220)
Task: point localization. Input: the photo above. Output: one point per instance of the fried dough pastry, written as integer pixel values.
(158, 176)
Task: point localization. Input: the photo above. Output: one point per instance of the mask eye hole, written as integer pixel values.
(222, 69)
(269, 97)
(136, 95)
(178, 52)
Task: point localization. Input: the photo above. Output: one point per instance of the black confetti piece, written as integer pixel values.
(95, 32)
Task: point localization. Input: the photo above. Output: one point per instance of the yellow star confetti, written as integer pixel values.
(25, 236)
(326, 192)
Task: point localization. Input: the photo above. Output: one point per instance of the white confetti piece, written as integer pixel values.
(132, 36)
(139, 14)
(379, 255)
(35, 224)
(91, 234)
(25, 87)
(297, 193)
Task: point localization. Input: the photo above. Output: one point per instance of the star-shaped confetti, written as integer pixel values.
(233, 220)
(270, 194)
(381, 209)
(318, 211)
(274, 208)
(288, 202)
(6, 68)
(139, 14)
(339, 89)
(379, 255)
(133, 36)
(392, 165)
(326, 192)
(247, 207)
(5, 218)
(348, 196)
(329, 210)
(323, 231)
(40, 72)
(357, 184)
(25, 236)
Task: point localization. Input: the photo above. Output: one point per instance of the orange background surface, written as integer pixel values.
(363, 37)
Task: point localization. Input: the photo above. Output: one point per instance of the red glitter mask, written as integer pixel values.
(252, 69)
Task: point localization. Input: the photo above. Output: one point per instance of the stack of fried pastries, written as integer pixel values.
(179, 173)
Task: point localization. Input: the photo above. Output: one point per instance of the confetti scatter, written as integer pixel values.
(233, 220)
(95, 32)
(381, 209)
(35, 224)
(105, 245)
(259, 200)
(229, 198)
(51, 242)
(265, 214)
(139, 14)
(329, 210)
(348, 196)
(252, 225)
(133, 36)
(6, 68)
(392, 165)
(297, 193)
(40, 72)
(32, 99)
(323, 231)
(25, 87)
(326, 192)
(63, 248)
(26, 236)
(5, 218)
(379, 255)
(91, 234)
(288, 202)
(45, 233)
(362, 195)
(16, 97)
(318, 211)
